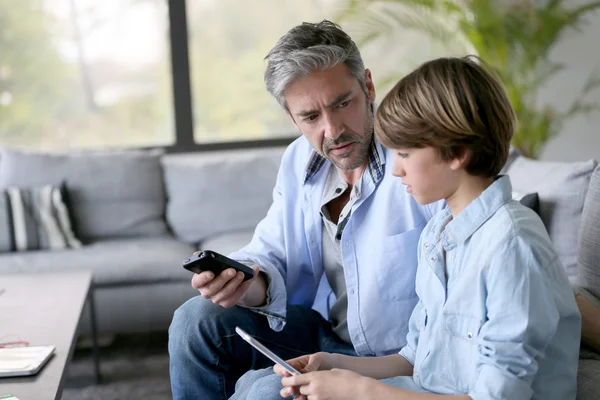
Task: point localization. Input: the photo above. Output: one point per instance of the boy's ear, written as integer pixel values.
(461, 160)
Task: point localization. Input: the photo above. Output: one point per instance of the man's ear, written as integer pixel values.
(370, 85)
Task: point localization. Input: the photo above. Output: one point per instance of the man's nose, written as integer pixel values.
(333, 127)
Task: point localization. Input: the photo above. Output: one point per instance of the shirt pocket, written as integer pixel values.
(396, 276)
(460, 352)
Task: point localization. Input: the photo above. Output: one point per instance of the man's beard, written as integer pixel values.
(359, 154)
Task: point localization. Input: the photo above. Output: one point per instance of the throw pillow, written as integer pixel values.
(589, 239)
(112, 194)
(35, 219)
(530, 200)
(562, 187)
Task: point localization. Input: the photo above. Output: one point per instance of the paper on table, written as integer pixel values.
(16, 361)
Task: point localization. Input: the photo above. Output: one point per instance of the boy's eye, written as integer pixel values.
(402, 155)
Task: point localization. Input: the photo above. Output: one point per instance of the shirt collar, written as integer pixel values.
(457, 230)
(375, 166)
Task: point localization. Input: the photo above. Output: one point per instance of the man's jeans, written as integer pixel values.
(207, 357)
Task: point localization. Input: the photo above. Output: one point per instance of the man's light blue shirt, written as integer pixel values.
(496, 317)
(378, 243)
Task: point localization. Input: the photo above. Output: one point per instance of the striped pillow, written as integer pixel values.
(35, 219)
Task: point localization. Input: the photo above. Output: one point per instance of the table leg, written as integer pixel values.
(94, 327)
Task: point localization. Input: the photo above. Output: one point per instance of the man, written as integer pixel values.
(340, 237)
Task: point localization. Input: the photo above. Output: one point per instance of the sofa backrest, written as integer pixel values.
(589, 238)
(111, 194)
(219, 192)
(562, 189)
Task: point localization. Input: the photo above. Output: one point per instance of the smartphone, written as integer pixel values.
(258, 346)
(208, 260)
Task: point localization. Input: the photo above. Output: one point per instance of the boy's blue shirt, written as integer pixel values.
(378, 246)
(496, 317)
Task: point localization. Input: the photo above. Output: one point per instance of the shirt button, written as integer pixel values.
(426, 245)
(352, 291)
(469, 335)
(433, 259)
(346, 243)
(452, 257)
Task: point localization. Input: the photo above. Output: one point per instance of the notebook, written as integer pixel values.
(21, 361)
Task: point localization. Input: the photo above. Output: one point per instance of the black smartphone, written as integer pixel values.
(208, 260)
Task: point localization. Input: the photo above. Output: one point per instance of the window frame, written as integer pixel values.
(182, 94)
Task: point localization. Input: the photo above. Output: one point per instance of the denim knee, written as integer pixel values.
(266, 388)
(197, 320)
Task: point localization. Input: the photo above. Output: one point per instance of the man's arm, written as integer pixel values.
(590, 321)
(256, 295)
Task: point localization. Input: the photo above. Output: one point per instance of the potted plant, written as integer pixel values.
(513, 37)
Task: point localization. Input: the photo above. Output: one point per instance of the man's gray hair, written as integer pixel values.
(307, 48)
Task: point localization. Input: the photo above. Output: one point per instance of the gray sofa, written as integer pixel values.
(588, 285)
(139, 214)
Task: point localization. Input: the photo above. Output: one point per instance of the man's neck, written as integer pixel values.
(352, 176)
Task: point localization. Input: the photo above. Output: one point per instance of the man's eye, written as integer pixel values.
(310, 118)
(344, 104)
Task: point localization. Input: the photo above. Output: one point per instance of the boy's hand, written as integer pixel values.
(312, 362)
(323, 385)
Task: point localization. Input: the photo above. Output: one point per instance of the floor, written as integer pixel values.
(133, 367)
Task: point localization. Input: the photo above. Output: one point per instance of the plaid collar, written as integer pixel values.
(375, 165)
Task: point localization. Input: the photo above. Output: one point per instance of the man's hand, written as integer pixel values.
(228, 288)
(324, 385)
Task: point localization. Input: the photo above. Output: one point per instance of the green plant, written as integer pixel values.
(514, 37)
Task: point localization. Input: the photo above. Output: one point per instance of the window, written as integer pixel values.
(228, 40)
(85, 74)
(78, 74)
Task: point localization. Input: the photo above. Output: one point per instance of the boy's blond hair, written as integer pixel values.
(453, 105)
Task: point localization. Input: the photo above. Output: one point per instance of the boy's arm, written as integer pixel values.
(394, 364)
(375, 390)
(375, 367)
(522, 318)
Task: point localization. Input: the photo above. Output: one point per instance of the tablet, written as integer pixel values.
(23, 361)
(260, 347)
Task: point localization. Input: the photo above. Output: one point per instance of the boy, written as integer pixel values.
(496, 317)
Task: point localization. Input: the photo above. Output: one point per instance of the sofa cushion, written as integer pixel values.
(589, 239)
(219, 192)
(561, 188)
(227, 243)
(35, 218)
(122, 261)
(111, 194)
(588, 382)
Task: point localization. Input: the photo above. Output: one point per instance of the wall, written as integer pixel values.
(580, 51)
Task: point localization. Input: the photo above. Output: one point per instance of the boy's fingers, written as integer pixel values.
(279, 370)
(297, 380)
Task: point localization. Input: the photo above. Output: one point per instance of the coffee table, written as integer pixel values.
(43, 309)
